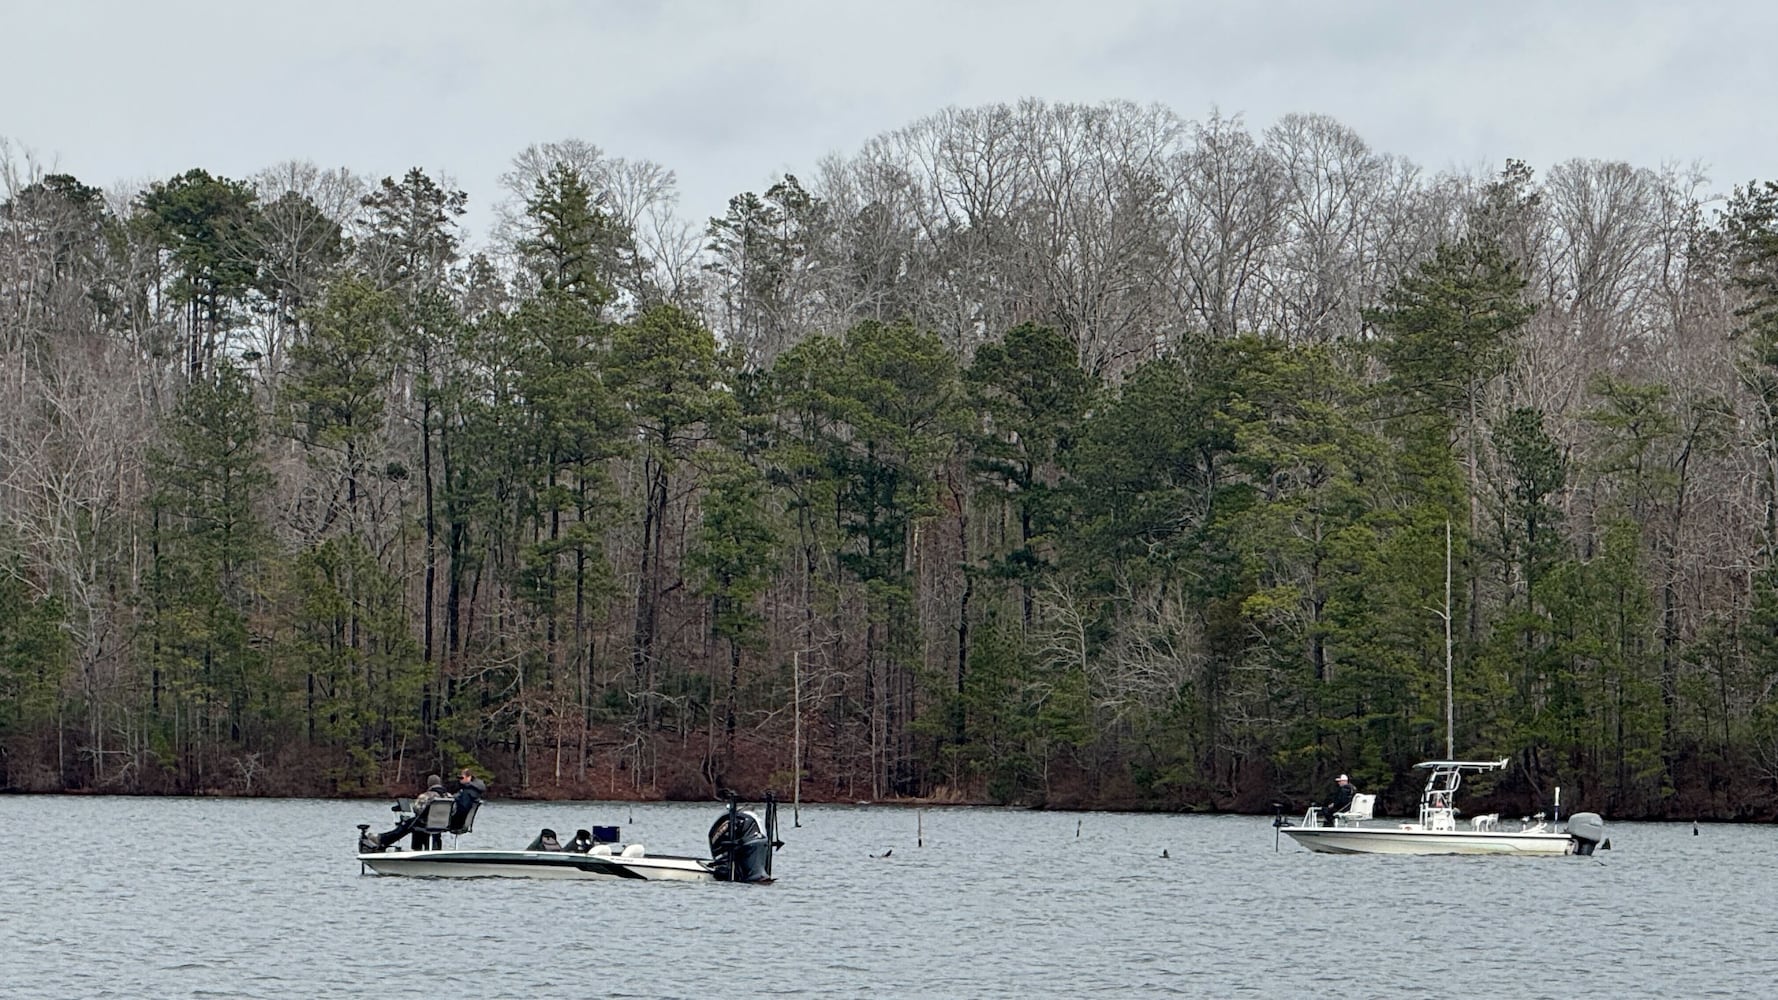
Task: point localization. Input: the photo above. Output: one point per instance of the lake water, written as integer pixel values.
(139, 897)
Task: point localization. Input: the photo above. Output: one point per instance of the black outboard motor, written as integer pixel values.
(741, 845)
(1587, 830)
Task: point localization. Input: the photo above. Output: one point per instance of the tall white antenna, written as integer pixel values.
(1450, 728)
(796, 743)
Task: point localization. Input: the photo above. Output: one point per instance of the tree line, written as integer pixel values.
(1037, 453)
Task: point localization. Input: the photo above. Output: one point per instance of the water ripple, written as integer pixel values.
(183, 897)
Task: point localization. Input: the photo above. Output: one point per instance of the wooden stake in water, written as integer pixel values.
(919, 828)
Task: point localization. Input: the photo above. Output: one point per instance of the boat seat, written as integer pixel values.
(433, 822)
(1361, 809)
(601, 851)
(633, 851)
(463, 823)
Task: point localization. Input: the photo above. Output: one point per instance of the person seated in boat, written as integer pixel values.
(582, 842)
(435, 790)
(545, 841)
(470, 790)
(1342, 798)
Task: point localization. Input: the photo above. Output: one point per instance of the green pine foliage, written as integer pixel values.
(606, 522)
(34, 670)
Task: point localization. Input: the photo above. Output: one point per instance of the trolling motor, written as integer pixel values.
(741, 844)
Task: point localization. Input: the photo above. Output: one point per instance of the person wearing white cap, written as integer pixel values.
(1342, 798)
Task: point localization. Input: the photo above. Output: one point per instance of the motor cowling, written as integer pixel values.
(740, 847)
(1587, 830)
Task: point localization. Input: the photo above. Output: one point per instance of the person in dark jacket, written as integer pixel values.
(470, 790)
(435, 789)
(1342, 798)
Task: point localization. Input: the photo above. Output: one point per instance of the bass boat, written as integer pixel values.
(742, 843)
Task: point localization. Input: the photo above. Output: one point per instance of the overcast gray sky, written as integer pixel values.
(731, 93)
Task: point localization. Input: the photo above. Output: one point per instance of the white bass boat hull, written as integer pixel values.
(1377, 840)
(537, 864)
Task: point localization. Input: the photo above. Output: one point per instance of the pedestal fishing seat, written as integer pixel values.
(433, 822)
(1361, 810)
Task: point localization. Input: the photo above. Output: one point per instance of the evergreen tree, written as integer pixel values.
(733, 562)
(352, 656)
(204, 222)
(759, 249)
(207, 541)
(339, 387)
(877, 414)
(1536, 473)
(573, 249)
(35, 658)
(1448, 331)
(1751, 234)
(663, 369)
(410, 239)
(1030, 395)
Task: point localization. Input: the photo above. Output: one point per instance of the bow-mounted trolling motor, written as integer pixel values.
(742, 844)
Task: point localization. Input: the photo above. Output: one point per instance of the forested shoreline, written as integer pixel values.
(1064, 455)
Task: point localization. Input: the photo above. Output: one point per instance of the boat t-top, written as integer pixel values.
(1438, 829)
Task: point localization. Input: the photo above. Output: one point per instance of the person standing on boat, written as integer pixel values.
(1342, 798)
(435, 790)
